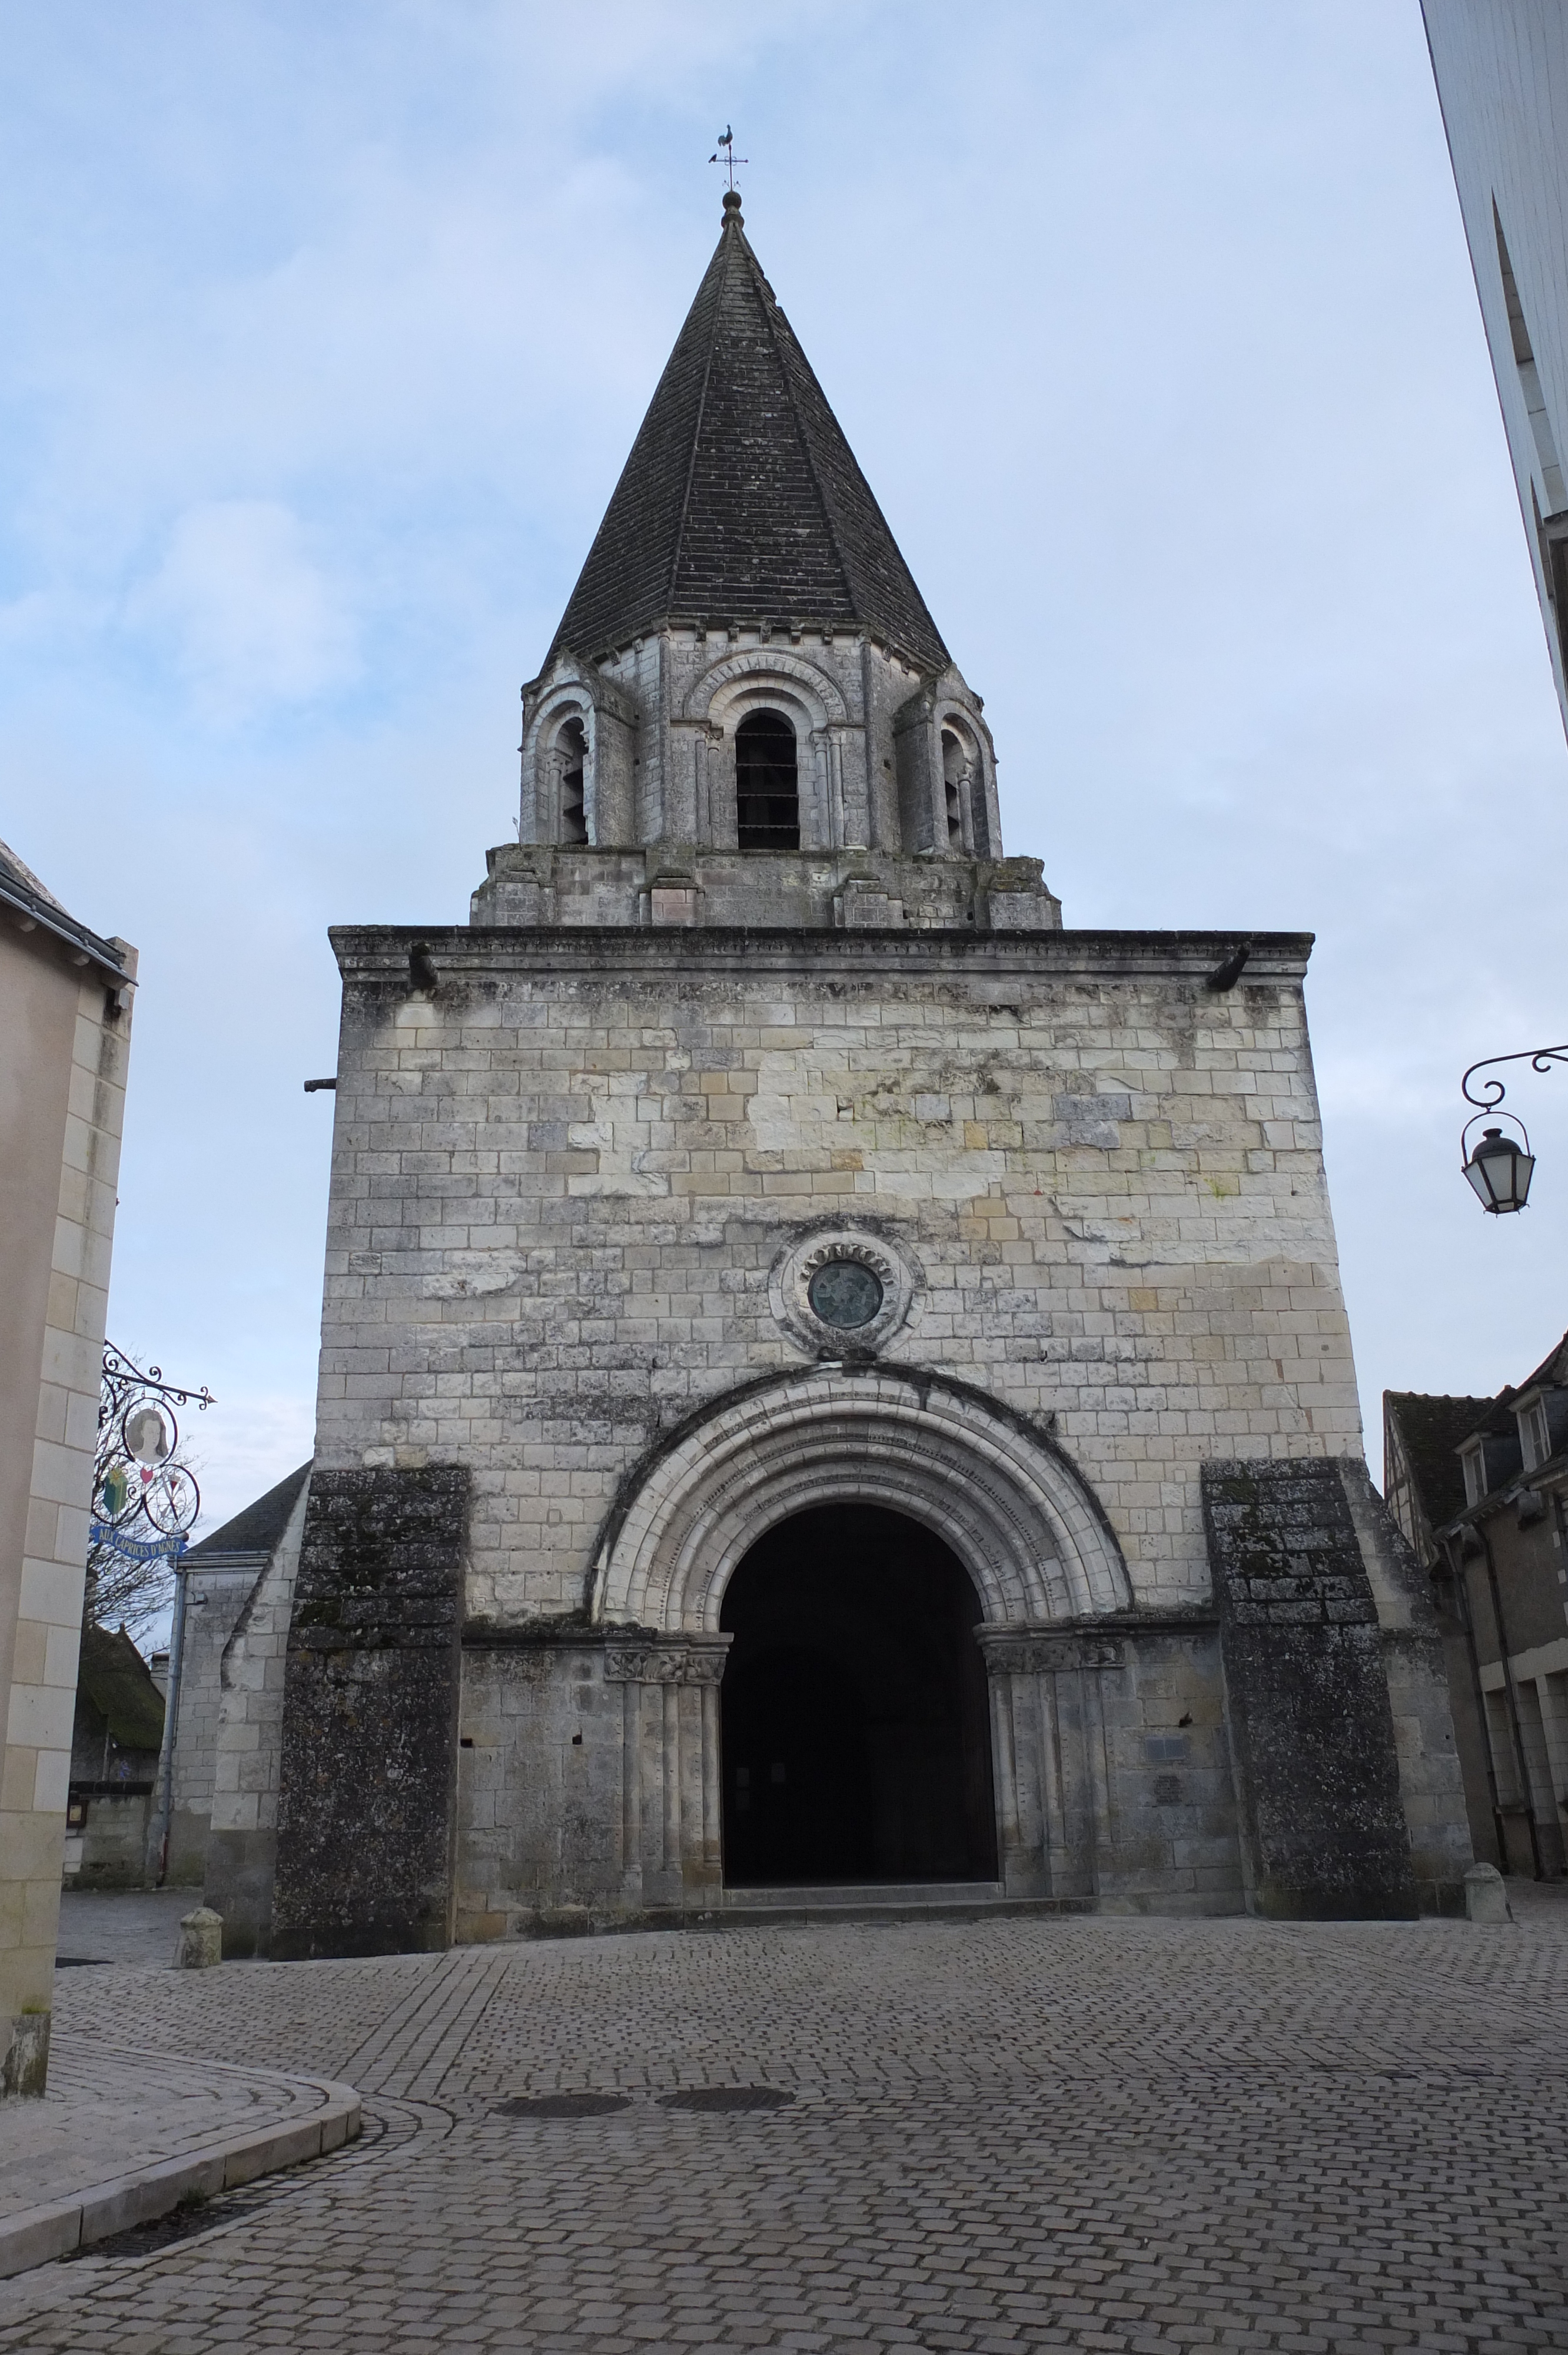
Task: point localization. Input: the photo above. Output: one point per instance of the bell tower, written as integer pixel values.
(748, 715)
(833, 1388)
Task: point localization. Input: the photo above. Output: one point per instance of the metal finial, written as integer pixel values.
(725, 153)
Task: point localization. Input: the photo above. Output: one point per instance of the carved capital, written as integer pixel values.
(678, 1662)
(1032, 1654)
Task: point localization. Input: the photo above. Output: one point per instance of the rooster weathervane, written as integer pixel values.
(725, 152)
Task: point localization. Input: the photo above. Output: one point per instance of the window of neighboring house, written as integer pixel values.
(1534, 1433)
(571, 758)
(766, 784)
(1529, 380)
(1474, 1461)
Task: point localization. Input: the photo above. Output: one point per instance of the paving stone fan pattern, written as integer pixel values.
(1011, 2135)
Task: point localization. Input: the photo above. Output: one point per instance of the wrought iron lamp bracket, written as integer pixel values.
(1539, 1058)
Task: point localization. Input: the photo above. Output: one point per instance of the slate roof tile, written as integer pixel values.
(1430, 1430)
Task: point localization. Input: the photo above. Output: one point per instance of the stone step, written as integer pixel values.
(882, 1902)
(793, 1895)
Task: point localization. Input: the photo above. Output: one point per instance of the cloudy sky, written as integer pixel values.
(328, 327)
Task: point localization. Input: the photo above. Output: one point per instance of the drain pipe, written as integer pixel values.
(1453, 1550)
(157, 1865)
(1511, 1693)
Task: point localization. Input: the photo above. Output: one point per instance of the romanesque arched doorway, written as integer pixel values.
(907, 1446)
(855, 1725)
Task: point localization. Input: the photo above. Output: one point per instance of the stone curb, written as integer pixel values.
(34, 2236)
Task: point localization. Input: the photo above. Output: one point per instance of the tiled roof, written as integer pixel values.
(20, 889)
(742, 500)
(1430, 1431)
(258, 1528)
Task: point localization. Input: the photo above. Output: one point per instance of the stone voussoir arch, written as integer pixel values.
(566, 698)
(756, 669)
(1022, 1520)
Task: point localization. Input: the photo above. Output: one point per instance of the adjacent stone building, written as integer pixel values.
(231, 1762)
(833, 1388)
(65, 1022)
(1478, 1487)
(117, 1736)
(1501, 68)
(220, 1577)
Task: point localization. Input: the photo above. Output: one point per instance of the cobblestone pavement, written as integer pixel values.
(112, 2113)
(123, 1925)
(1004, 2136)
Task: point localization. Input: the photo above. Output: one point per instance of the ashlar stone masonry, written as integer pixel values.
(785, 1297)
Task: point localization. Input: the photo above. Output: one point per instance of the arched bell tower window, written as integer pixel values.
(571, 762)
(767, 785)
(955, 778)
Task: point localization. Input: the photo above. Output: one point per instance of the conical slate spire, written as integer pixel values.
(741, 500)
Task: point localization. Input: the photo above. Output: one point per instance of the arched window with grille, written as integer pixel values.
(766, 784)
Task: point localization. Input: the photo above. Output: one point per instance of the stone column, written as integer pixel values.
(851, 754)
(814, 782)
(1053, 1791)
(671, 1804)
(836, 832)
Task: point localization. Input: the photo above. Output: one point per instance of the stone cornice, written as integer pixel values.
(376, 953)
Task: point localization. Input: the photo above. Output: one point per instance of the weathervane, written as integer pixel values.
(725, 152)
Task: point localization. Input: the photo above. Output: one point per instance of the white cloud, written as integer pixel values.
(242, 1446)
(247, 613)
(1158, 343)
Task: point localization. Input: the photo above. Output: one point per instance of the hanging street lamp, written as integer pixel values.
(1499, 1170)
(1499, 1166)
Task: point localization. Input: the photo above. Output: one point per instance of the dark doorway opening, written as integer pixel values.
(855, 1720)
(766, 786)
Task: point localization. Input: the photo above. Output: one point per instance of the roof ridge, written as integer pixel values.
(724, 259)
(267, 1515)
(1450, 1398)
(770, 306)
(830, 512)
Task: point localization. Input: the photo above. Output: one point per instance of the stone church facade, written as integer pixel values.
(835, 1388)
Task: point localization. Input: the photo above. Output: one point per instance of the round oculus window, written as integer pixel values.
(846, 1292)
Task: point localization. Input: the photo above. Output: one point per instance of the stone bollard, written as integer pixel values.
(1486, 1895)
(201, 1940)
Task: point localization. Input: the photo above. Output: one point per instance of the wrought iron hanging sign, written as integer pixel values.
(144, 1504)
